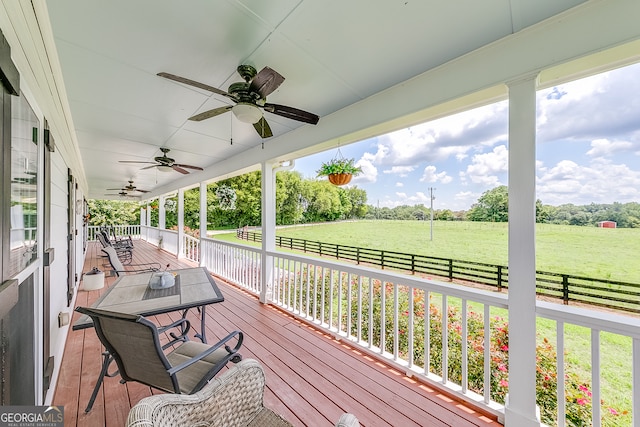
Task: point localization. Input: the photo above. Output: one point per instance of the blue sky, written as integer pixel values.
(588, 150)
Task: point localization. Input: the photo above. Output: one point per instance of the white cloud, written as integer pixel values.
(599, 182)
(403, 171)
(430, 175)
(442, 139)
(369, 172)
(604, 147)
(399, 184)
(485, 167)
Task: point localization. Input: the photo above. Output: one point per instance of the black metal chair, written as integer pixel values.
(124, 253)
(135, 344)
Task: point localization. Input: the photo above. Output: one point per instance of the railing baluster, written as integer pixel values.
(383, 315)
(349, 303)
(410, 326)
(487, 353)
(465, 345)
(445, 341)
(560, 372)
(427, 332)
(396, 326)
(359, 325)
(595, 378)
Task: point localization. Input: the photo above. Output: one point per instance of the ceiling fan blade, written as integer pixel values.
(179, 169)
(188, 166)
(292, 113)
(266, 81)
(263, 128)
(141, 191)
(134, 161)
(152, 166)
(195, 84)
(211, 113)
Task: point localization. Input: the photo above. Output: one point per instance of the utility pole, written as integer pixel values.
(431, 197)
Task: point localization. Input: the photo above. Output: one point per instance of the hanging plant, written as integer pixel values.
(170, 205)
(226, 197)
(339, 170)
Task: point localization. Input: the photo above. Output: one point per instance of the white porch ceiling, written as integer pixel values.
(347, 61)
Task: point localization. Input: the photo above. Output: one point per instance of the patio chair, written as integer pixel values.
(125, 253)
(135, 344)
(233, 399)
(117, 267)
(122, 241)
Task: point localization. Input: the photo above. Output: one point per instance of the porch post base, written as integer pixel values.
(516, 419)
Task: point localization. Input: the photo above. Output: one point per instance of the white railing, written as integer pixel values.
(400, 319)
(191, 248)
(120, 230)
(385, 314)
(622, 365)
(239, 264)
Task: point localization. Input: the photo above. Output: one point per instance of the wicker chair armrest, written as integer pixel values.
(232, 399)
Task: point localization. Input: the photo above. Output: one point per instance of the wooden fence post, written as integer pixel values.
(565, 289)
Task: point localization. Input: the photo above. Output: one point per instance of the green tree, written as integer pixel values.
(289, 206)
(113, 212)
(492, 206)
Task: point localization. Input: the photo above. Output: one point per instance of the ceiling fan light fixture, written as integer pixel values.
(164, 168)
(246, 112)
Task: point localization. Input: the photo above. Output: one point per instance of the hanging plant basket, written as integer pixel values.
(226, 198)
(339, 170)
(340, 178)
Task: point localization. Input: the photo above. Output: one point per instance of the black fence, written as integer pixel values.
(566, 287)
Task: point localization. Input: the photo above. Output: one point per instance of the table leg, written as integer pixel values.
(203, 331)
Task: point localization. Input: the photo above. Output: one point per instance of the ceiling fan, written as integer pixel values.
(165, 164)
(129, 187)
(122, 193)
(249, 96)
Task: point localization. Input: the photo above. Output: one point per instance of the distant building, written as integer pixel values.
(607, 224)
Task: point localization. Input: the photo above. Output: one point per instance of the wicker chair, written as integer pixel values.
(233, 399)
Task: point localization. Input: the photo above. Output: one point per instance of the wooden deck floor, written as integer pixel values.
(311, 377)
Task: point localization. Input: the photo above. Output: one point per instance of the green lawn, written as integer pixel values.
(585, 251)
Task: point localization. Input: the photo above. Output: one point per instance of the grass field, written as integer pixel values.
(603, 253)
(584, 251)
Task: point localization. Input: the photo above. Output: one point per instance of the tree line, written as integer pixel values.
(236, 202)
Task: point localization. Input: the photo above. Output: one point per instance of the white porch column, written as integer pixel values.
(203, 217)
(148, 222)
(181, 223)
(521, 408)
(161, 213)
(268, 229)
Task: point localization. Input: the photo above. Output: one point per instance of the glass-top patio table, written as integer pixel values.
(130, 294)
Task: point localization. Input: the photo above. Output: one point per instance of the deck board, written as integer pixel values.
(312, 378)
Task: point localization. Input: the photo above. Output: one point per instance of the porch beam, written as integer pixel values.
(520, 409)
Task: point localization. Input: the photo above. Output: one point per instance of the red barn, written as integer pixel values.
(607, 224)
